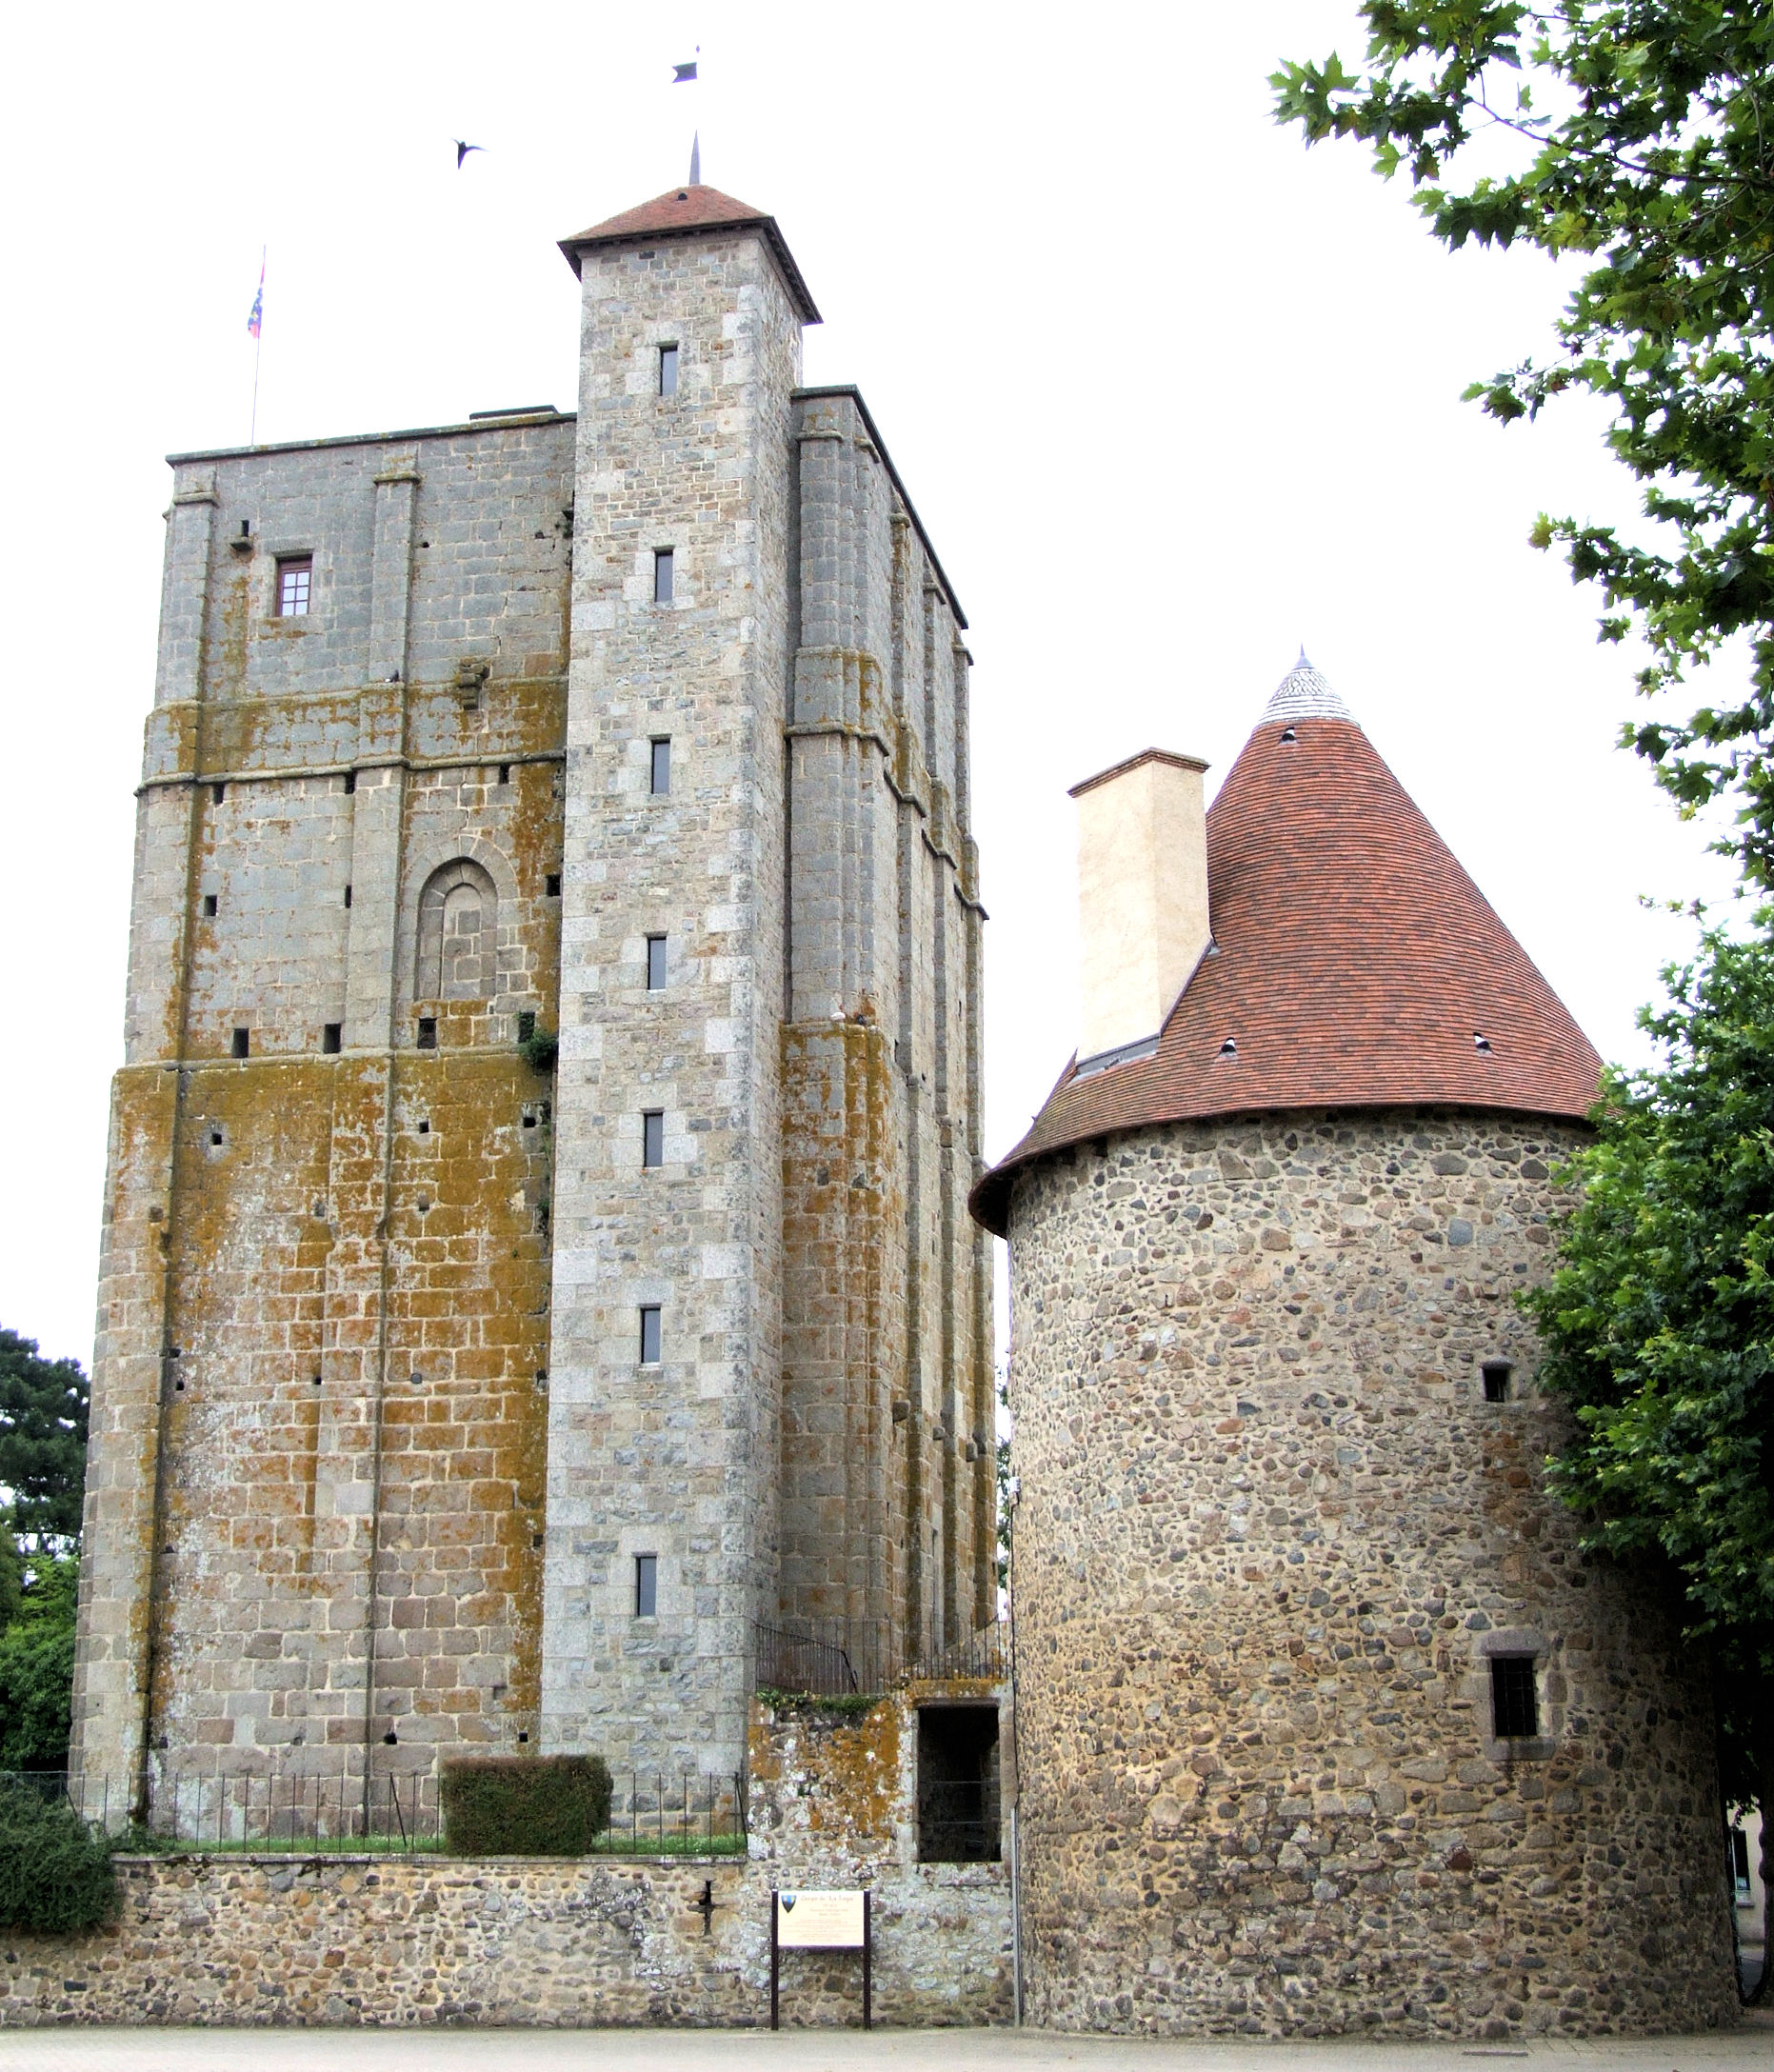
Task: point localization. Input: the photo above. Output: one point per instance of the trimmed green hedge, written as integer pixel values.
(55, 1871)
(525, 1806)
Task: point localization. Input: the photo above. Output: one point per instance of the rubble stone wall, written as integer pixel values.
(1270, 1535)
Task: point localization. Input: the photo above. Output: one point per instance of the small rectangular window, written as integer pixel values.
(662, 766)
(428, 1032)
(646, 1585)
(1514, 1704)
(649, 1334)
(217, 793)
(208, 905)
(243, 1043)
(348, 895)
(667, 370)
(505, 773)
(526, 1024)
(655, 963)
(351, 781)
(652, 1137)
(662, 575)
(295, 573)
(551, 884)
(331, 1036)
(1497, 1380)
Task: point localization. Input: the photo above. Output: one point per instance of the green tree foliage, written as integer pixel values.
(55, 1873)
(1642, 135)
(37, 1668)
(42, 1440)
(1659, 1328)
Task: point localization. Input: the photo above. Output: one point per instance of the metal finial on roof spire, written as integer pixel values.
(696, 178)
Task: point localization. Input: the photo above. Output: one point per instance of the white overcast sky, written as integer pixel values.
(1172, 396)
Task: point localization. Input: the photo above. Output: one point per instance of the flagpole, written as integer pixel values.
(258, 348)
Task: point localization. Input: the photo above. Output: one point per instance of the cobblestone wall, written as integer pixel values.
(1270, 1534)
(260, 1939)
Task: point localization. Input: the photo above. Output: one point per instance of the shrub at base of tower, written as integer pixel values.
(525, 1806)
(1659, 1329)
(55, 1871)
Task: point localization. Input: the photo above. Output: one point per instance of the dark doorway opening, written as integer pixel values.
(958, 1801)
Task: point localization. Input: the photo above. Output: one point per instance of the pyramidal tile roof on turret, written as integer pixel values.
(692, 211)
(1353, 964)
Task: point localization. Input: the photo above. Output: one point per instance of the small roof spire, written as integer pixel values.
(695, 180)
(1304, 694)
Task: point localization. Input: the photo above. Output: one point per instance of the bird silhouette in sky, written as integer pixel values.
(463, 150)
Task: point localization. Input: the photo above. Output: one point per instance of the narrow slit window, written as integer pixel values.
(662, 766)
(667, 370)
(655, 963)
(331, 1037)
(208, 905)
(348, 895)
(652, 1137)
(428, 1032)
(526, 1024)
(295, 576)
(551, 884)
(241, 1043)
(649, 1334)
(1497, 1374)
(505, 773)
(646, 1585)
(217, 793)
(351, 781)
(662, 575)
(1514, 1702)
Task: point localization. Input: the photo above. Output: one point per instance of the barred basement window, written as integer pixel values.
(649, 1334)
(1514, 1704)
(958, 1785)
(660, 765)
(645, 1586)
(655, 963)
(662, 575)
(667, 370)
(1497, 1374)
(295, 575)
(652, 1137)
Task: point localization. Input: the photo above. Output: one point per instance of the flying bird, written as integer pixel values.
(463, 150)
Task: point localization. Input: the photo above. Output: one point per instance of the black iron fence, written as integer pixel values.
(857, 1658)
(311, 1810)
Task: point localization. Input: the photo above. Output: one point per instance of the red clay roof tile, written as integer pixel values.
(683, 212)
(1355, 965)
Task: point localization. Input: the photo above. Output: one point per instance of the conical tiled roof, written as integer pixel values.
(1355, 964)
(687, 212)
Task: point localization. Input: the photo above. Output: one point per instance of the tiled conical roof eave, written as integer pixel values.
(1357, 965)
(692, 211)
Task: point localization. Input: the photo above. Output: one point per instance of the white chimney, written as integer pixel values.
(1141, 895)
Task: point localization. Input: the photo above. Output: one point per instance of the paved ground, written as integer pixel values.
(1749, 2048)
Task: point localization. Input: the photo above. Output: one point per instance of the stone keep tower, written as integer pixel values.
(1323, 1719)
(442, 1401)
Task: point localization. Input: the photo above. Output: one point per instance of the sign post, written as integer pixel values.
(820, 1920)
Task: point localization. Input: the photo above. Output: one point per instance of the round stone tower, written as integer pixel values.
(1323, 1721)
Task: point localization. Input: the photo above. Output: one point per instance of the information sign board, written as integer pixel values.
(820, 1920)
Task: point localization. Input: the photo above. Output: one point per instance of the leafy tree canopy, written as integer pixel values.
(43, 1439)
(1657, 1323)
(37, 1668)
(1642, 136)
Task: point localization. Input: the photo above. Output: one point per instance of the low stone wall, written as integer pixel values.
(247, 1940)
(513, 1941)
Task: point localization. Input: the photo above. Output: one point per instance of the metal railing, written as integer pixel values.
(856, 1658)
(310, 1811)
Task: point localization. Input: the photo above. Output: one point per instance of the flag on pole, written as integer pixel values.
(257, 318)
(681, 74)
